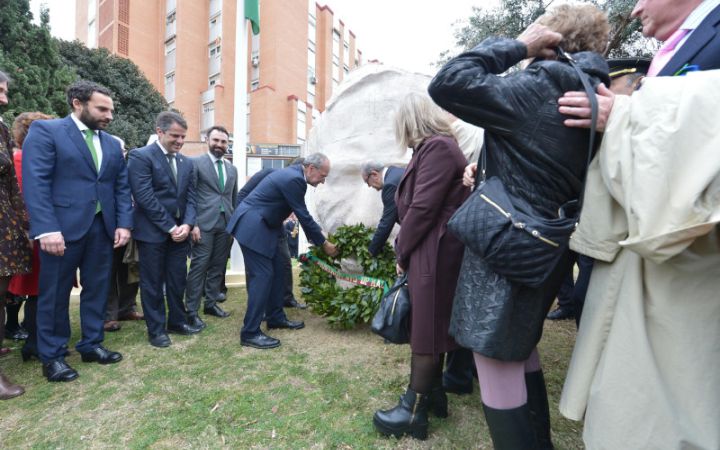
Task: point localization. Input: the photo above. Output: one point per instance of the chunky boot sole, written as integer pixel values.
(416, 431)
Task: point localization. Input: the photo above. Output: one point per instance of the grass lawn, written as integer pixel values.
(318, 390)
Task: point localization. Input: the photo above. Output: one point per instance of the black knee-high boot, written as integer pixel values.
(539, 409)
(30, 348)
(510, 429)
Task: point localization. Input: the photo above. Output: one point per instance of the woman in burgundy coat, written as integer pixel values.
(427, 196)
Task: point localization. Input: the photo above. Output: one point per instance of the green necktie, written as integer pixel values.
(89, 135)
(221, 181)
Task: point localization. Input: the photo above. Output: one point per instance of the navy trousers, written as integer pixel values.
(163, 264)
(265, 285)
(93, 255)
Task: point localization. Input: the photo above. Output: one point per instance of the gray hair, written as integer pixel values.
(4, 78)
(166, 118)
(370, 166)
(315, 159)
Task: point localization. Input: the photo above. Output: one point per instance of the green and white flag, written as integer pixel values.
(252, 13)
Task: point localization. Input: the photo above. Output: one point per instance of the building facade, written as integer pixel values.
(186, 48)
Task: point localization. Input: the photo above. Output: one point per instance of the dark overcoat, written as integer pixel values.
(427, 196)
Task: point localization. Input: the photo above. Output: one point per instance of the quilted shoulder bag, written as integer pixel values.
(506, 231)
(392, 319)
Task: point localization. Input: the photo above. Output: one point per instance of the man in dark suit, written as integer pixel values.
(385, 179)
(289, 300)
(691, 31)
(161, 182)
(257, 225)
(77, 194)
(216, 182)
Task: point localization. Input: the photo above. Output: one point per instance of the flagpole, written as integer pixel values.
(237, 264)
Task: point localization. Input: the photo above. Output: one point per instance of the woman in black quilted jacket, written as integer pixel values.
(540, 160)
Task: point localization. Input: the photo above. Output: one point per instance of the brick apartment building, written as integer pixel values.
(186, 48)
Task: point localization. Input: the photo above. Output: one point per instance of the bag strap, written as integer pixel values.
(585, 80)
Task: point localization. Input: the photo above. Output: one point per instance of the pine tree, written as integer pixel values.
(29, 55)
(136, 100)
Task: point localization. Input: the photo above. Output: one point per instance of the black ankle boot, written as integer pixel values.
(539, 410)
(408, 417)
(438, 402)
(510, 429)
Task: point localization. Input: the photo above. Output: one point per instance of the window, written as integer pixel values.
(254, 85)
(301, 122)
(214, 50)
(170, 25)
(268, 163)
(170, 87)
(215, 29)
(213, 80)
(170, 56)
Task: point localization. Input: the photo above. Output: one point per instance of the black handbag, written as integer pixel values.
(392, 319)
(506, 231)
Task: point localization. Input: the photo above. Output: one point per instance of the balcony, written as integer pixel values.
(170, 62)
(215, 7)
(207, 119)
(208, 96)
(215, 31)
(214, 65)
(170, 29)
(170, 6)
(170, 91)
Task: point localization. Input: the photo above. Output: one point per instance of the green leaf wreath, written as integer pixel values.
(344, 308)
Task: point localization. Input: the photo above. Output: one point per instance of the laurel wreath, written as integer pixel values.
(345, 308)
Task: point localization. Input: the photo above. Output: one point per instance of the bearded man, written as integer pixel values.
(216, 187)
(78, 198)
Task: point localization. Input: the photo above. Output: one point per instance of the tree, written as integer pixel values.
(30, 57)
(511, 17)
(136, 100)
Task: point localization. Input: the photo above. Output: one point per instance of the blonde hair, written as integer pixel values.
(418, 118)
(584, 27)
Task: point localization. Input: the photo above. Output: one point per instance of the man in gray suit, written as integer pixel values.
(216, 186)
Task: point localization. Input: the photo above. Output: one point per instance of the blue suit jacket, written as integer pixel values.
(160, 203)
(61, 185)
(389, 215)
(702, 47)
(258, 221)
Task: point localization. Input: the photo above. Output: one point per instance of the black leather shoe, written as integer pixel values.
(261, 341)
(561, 314)
(101, 355)
(216, 311)
(160, 341)
(183, 329)
(197, 322)
(16, 334)
(59, 371)
(293, 303)
(288, 324)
